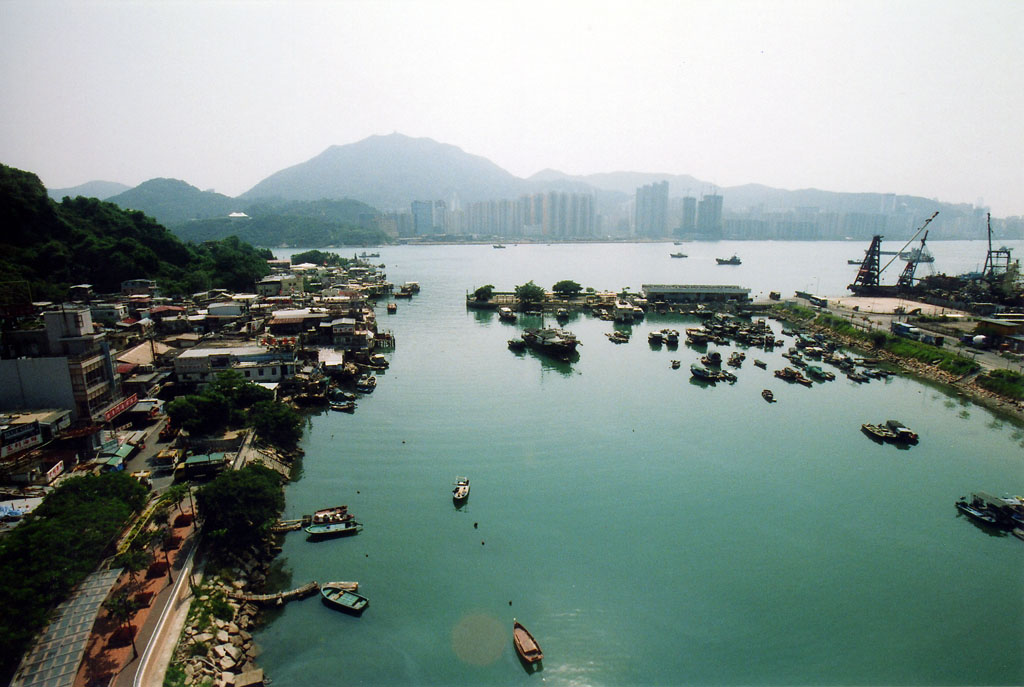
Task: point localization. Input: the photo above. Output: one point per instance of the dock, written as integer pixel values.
(291, 525)
(278, 598)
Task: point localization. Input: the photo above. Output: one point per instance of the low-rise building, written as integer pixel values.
(256, 363)
(695, 293)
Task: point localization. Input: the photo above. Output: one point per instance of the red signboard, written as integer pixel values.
(120, 407)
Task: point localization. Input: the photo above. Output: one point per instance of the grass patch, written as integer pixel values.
(175, 676)
(204, 610)
(1003, 382)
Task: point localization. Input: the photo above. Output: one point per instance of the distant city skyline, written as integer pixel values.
(914, 98)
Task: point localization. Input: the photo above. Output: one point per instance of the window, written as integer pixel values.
(261, 371)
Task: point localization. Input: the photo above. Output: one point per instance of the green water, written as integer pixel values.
(646, 529)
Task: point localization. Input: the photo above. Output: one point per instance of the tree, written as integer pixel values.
(134, 560)
(529, 293)
(239, 507)
(484, 293)
(567, 288)
(121, 608)
(276, 422)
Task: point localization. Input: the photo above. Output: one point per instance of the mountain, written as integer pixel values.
(47, 246)
(389, 172)
(90, 189)
(171, 201)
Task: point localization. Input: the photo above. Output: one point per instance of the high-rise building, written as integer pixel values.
(709, 215)
(651, 210)
(689, 221)
(422, 217)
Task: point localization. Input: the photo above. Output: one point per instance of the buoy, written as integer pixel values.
(475, 524)
(481, 543)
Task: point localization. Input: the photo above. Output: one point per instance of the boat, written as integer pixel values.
(345, 600)
(392, 308)
(917, 255)
(345, 407)
(369, 255)
(701, 372)
(460, 494)
(767, 395)
(497, 245)
(677, 255)
(727, 376)
(902, 432)
(332, 522)
(558, 343)
(975, 513)
(516, 345)
(854, 262)
(618, 336)
(671, 336)
(655, 338)
(343, 586)
(761, 364)
(734, 260)
(366, 383)
(562, 314)
(526, 646)
(712, 359)
(675, 364)
(879, 432)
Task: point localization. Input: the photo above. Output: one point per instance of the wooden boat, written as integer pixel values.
(761, 364)
(460, 494)
(701, 372)
(346, 407)
(392, 308)
(342, 586)
(526, 646)
(768, 395)
(345, 600)
(982, 516)
(879, 432)
(366, 383)
(675, 364)
(516, 345)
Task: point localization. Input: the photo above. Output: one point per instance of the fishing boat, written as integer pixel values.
(768, 395)
(902, 432)
(505, 314)
(366, 383)
(655, 338)
(618, 336)
(712, 359)
(761, 364)
(734, 260)
(701, 372)
(671, 336)
(561, 314)
(557, 343)
(975, 513)
(344, 407)
(460, 494)
(345, 600)
(675, 364)
(392, 308)
(677, 255)
(516, 345)
(526, 646)
(498, 245)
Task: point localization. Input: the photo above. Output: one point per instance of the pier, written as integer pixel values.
(291, 525)
(279, 598)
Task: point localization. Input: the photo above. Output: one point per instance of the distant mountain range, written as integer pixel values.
(90, 189)
(389, 172)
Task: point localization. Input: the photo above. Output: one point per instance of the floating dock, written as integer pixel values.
(279, 598)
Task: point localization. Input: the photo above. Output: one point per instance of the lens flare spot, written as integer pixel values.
(478, 639)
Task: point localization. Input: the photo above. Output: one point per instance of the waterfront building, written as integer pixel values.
(694, 293)
(651, 210)
(256, 363)
(422, 217)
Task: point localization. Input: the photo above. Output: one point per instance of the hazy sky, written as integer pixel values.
(923, 97)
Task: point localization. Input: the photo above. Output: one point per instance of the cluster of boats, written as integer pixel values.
(709, 374)
(669, 337)
(618, 336)
(719, 329)
(335, 521)
(892, 431)
(1005, 513)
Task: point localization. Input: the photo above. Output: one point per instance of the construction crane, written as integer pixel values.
(906, 280)
(869, 274)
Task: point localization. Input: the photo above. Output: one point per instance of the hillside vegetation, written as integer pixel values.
(48, 246)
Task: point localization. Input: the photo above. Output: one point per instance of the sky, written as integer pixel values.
(920, 97)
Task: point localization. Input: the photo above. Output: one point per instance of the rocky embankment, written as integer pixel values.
(220, 650)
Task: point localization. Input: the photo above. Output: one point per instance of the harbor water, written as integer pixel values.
(646, 528)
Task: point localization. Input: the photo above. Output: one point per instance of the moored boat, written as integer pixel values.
(878, 432)
(392, 308)
(505, 314)
(526, 646)
(761, 364)
(516, 345)
(460, 494)
(366, 383)
(701, 372)
(902, 432)
(342, 599)
(332, 522)
(344, 407)
(558, 343)
(675, 364)
(767, 395)
(979, 514)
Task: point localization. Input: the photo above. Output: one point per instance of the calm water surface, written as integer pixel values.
(647, 529)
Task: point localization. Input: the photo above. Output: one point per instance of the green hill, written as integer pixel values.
(49, 246)
(171, 201)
